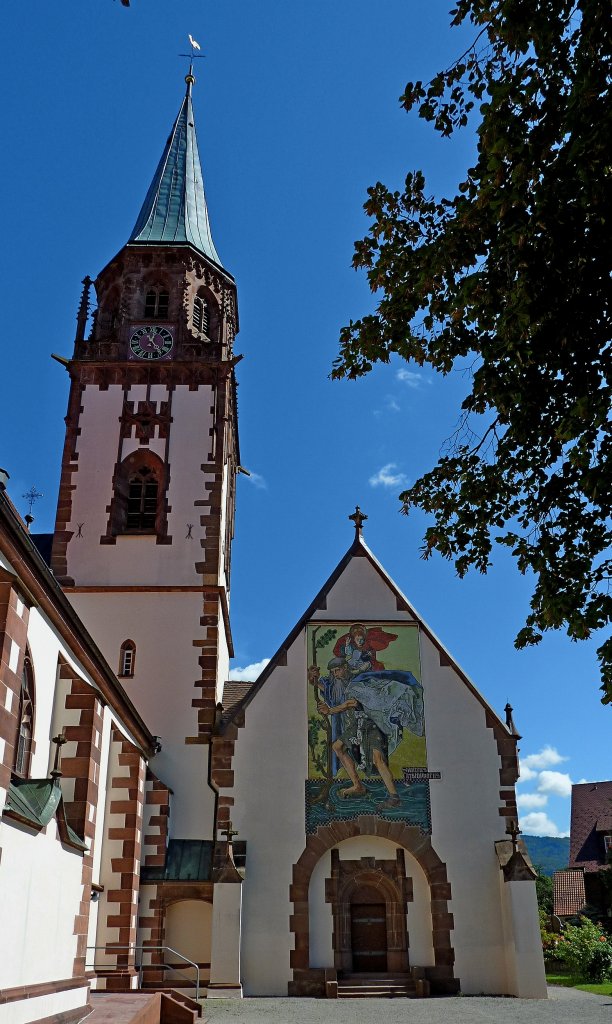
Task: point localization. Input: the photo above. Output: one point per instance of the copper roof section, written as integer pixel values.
(175, 211)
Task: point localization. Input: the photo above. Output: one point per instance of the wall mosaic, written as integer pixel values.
(366, 727)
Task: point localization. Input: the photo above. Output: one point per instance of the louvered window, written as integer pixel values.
(200, 316)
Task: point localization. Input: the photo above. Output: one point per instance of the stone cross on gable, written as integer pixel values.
(358, 518)
(514, 832)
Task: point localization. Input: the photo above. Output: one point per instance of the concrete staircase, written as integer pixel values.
(383, 986)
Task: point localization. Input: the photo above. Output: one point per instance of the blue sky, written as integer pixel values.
(297, 113)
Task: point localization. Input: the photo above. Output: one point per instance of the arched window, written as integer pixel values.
(200, 315)
(156, 304)
(143, 494)
(127, 658)
(138, 506)
(25, 732)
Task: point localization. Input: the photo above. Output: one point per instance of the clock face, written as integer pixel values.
(151, 342)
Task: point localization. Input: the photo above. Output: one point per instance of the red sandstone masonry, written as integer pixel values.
(84, 768)
(122, 900)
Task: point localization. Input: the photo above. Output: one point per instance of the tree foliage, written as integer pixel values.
(510, 280)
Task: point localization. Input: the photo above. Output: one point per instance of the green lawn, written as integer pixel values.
(602, 989)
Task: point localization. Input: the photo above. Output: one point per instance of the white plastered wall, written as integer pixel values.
(163, 627)
(132, 558)
(270, 765)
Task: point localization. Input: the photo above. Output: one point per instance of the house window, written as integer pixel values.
(143, 493)
(608, 844)
(156, 304)
(127, 658)
(25, 733)
(200, 315)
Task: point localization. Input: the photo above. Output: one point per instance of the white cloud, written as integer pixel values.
(392, 405)
(250, 672)
(387, 478)
(410, 378)
(558, 783)
(532, 800)
(539, 824)
(526, 773)
(257, 481)
(544, 759)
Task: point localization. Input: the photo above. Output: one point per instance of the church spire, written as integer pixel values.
(175, 210)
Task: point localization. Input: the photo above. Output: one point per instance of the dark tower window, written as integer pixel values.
(156, 304)
(200, 315)
(143, 493)
(23, 749)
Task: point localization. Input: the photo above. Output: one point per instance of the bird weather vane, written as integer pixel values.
(194, 44)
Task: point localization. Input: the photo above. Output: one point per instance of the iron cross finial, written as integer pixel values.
(31, 496)
(358, 518)
(229, 832)
(514, 831)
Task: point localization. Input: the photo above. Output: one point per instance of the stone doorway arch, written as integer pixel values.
(311, 981)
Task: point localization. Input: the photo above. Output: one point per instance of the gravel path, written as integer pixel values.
(564, 1006)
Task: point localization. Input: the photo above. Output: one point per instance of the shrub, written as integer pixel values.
(585, 951)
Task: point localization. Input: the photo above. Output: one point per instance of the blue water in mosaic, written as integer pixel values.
(414, 806)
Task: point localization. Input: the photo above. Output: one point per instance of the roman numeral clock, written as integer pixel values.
(151, 342)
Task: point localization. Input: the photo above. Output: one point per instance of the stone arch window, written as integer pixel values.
(25, 727)
(127, 658)
(156, 303)
(200, 318)
(139, 503)
(107, 316)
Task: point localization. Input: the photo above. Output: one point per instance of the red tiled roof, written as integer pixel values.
(233, 693)
(591, 804)
(568, 892)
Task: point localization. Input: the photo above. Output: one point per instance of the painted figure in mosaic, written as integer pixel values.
(369, 712)
(360, 645)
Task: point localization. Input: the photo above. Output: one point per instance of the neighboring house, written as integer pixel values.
(580, 886)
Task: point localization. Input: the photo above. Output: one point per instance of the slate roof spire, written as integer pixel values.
(175, 211)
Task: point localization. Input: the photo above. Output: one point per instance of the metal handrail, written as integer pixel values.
(112, 947)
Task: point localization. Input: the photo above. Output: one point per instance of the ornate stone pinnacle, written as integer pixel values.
(358, 518)
(59, 741)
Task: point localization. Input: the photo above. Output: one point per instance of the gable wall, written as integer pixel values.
(271, 765)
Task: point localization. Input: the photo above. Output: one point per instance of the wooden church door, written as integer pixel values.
(369, 937)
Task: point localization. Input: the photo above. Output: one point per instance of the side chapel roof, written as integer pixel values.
(175, 210)
(359, 549)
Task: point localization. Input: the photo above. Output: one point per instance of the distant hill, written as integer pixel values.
(548, 854)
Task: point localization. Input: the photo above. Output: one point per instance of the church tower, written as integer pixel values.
(145, 518)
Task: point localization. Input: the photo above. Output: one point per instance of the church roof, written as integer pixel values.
(175, 211)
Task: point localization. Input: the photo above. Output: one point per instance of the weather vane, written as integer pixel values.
(192, 56)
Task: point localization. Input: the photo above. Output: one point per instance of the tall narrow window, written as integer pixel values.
(25, 734)
(200, 315)
(127, 658)
(143, 492)
(156, 304)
